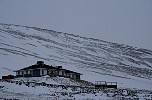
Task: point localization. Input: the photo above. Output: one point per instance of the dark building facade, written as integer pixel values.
(41, 69)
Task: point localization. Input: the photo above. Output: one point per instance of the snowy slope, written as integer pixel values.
(32, 88)
(97, 60)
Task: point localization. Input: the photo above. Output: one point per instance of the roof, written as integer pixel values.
(41, 64)
(69, 71)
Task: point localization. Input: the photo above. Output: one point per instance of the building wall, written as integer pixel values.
(41, 71)
(53, 72)
(36, 72)
(60, 73)
(74, 76)
(19, 73)
(78, 77)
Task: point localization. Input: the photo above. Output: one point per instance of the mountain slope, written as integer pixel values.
(101, 60)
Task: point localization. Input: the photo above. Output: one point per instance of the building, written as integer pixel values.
(8, 77)
(41, 69)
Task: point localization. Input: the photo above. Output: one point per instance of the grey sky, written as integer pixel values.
(121, 21)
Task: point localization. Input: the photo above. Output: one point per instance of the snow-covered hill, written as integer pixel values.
(97, 60)
(59, 88)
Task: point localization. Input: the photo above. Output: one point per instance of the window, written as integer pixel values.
(22, 72)
(42, 72)
(60, 72)
(17, 73)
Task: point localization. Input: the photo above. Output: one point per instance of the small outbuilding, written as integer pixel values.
(104, 85)
(8, 77)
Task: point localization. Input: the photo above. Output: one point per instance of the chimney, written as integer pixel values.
(40, 63)
(59, 67)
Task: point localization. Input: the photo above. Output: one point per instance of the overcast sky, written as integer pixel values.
(120, 21)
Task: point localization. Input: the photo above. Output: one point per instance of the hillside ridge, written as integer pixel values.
(86, 55)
